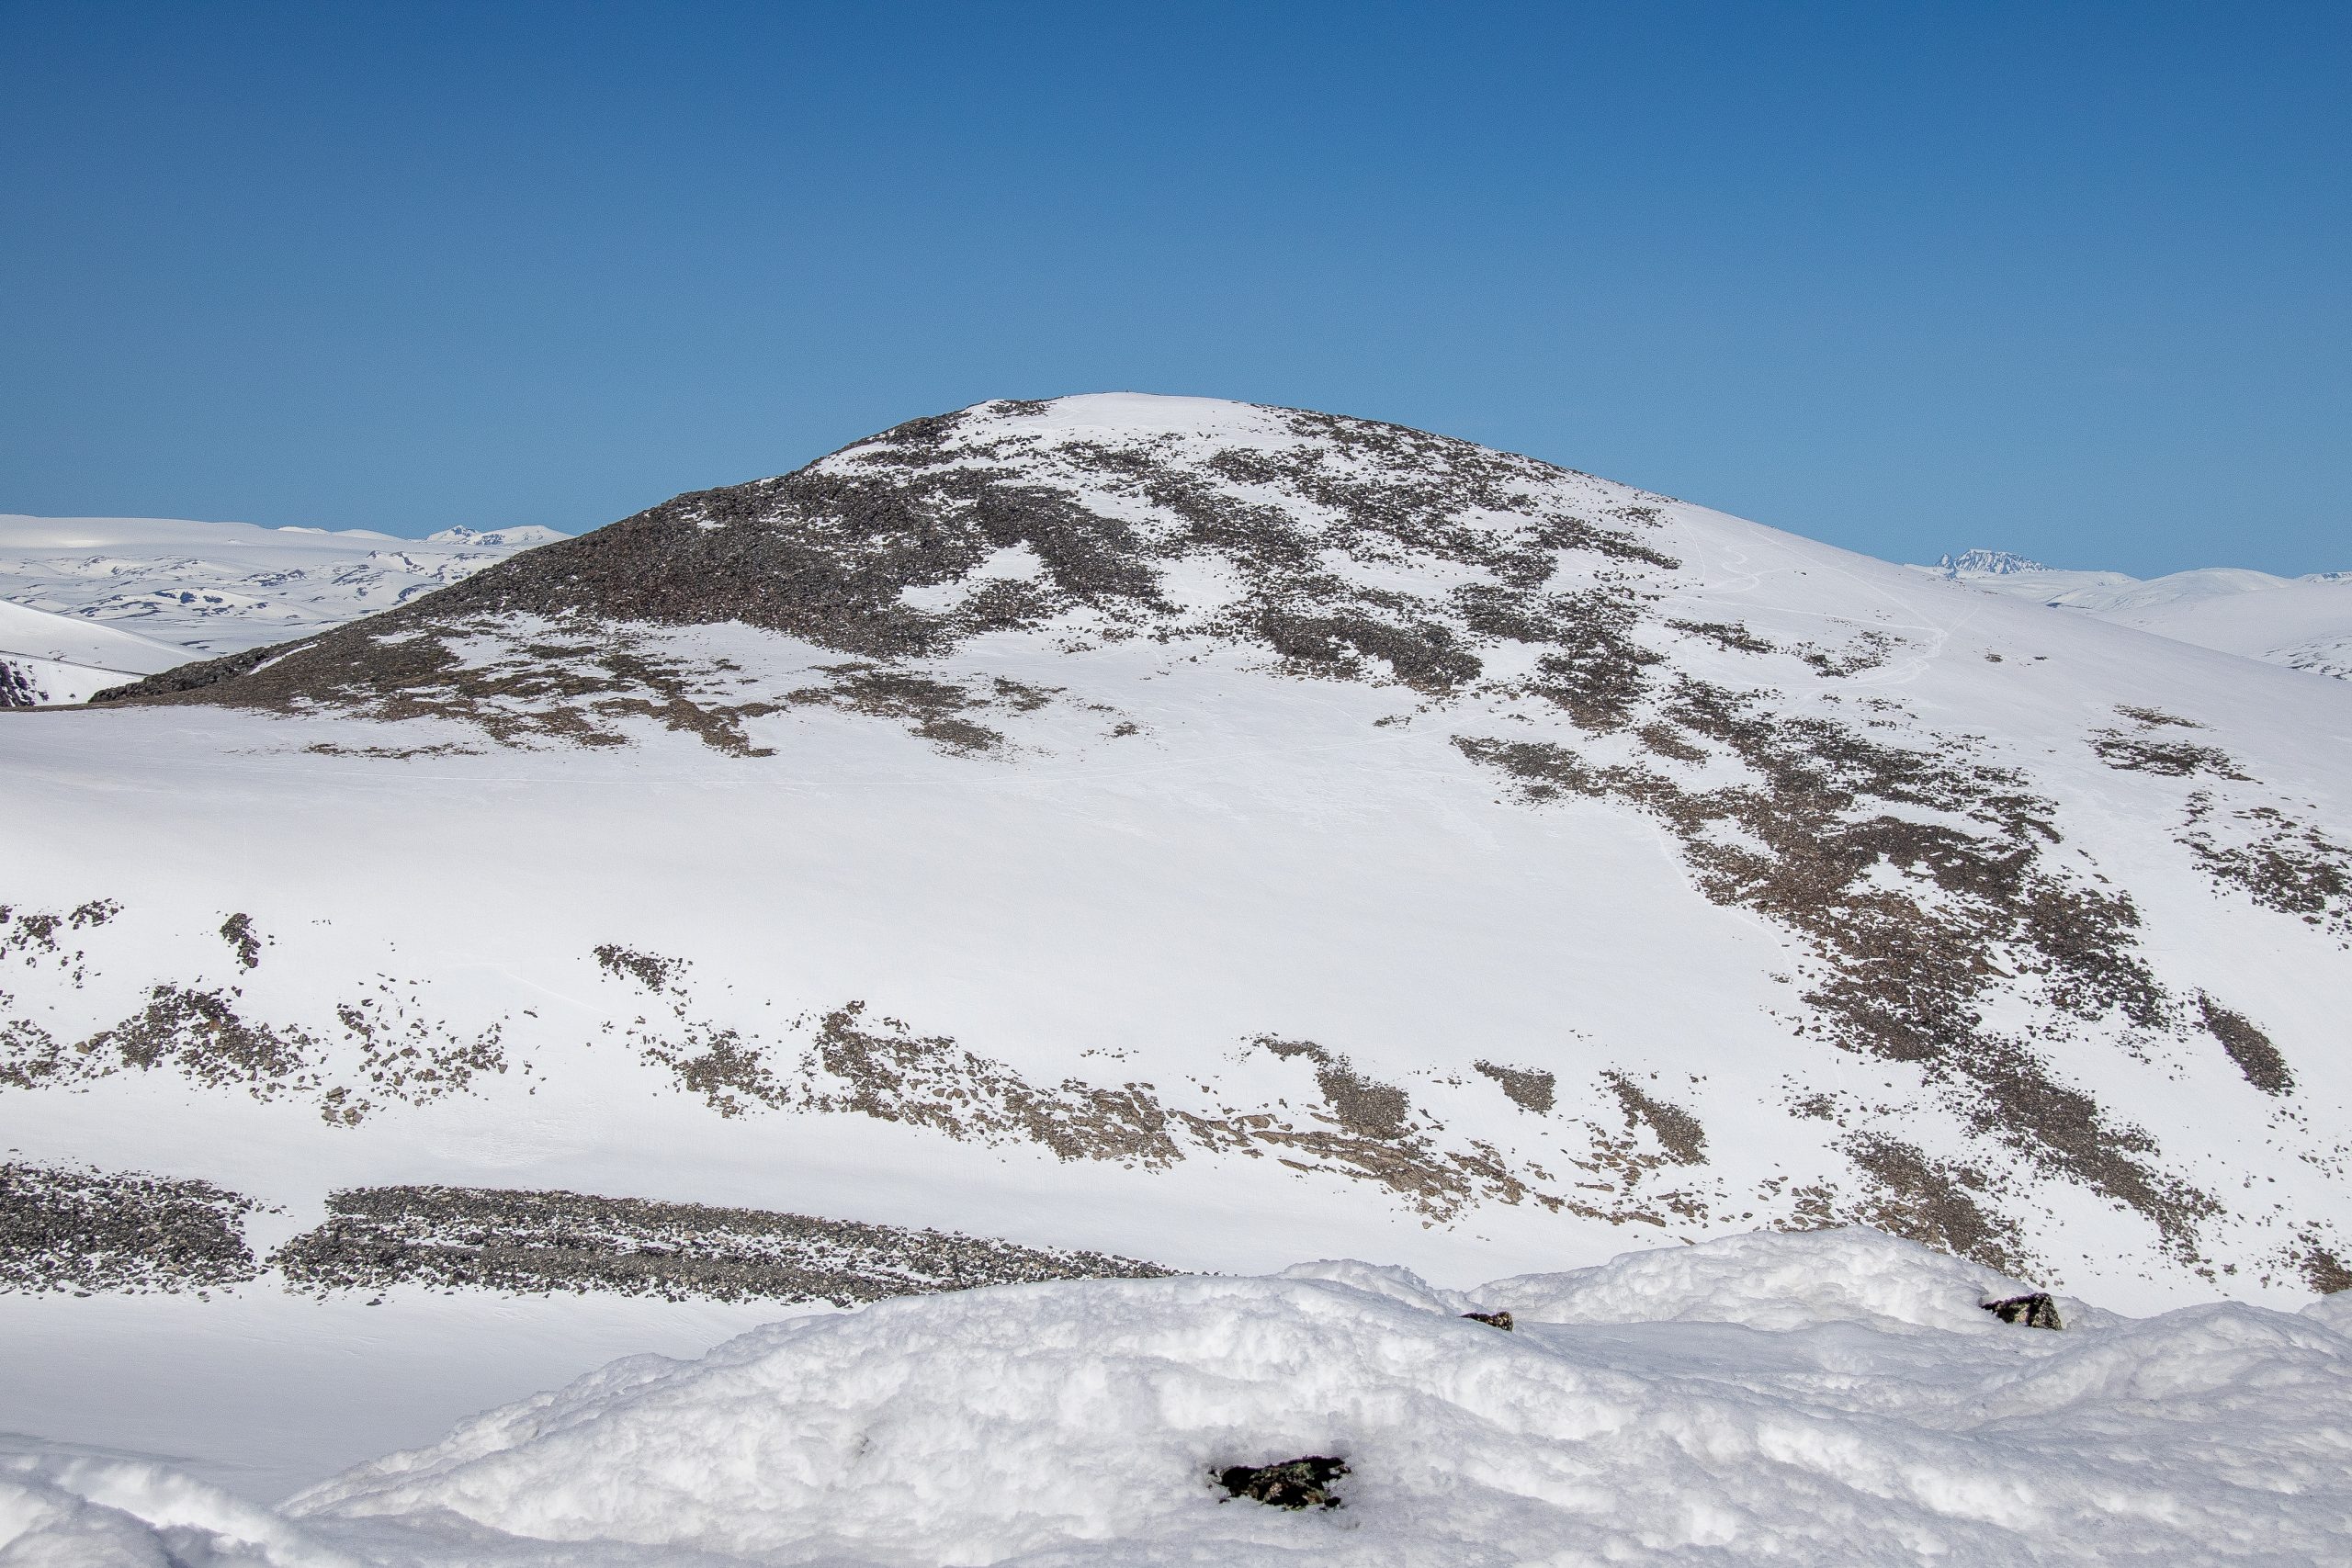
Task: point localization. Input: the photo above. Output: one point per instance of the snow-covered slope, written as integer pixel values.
(1066, 842)
(2303, 622)
(1200, 834)
(47, 658)
(212, 587)
(1836, 1398)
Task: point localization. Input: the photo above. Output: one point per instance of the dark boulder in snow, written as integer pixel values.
(2035, 1310)
(1303, 1482)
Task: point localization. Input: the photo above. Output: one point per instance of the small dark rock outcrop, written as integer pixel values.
(1295, 1483)
(1492, 1319)
(2035, 1311)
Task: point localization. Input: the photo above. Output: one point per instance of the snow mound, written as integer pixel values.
(1769, 1280)
(1079, 1423)
(1384, 1280)
(64, 1508)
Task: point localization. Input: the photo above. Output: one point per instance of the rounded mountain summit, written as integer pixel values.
(1212, 833)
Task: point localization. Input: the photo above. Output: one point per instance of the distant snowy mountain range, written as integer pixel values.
(2304, 623)
(85, 601)
(1061, 843)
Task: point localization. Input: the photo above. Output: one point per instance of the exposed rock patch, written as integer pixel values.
(396, 1053)
(64, 1228)
(1950, 1206)
(2035, 1311)
(534, 1243)
(1530, 1089)
(2172, 759)
(1295, 1483)
(1677, 1131)
(2278, 861)
(851, 1060)
(238, 932)
(2248, 1046)
(1920, 880)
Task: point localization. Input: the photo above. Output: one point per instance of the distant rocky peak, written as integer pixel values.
(1986, 563)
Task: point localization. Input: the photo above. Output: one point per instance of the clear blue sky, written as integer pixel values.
(2067, 278)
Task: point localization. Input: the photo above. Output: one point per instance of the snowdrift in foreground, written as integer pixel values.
(1831, 1398)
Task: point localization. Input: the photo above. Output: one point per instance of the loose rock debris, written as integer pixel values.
(538, 1242)
(1293, 1483)
(2035, 1311)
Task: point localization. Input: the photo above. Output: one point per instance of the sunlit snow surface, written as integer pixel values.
(1830, 1398)
(2304, 623)
(123, 596)
(1190, 851)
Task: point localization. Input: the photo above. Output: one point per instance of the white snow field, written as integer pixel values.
(53, 659)
(2304, 623)
(1060, 839)
(1833, 1398)
(214, 587)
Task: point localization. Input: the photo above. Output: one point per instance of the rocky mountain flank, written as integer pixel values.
(1964, 908)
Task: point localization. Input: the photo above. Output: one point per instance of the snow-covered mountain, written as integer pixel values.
(147, 592)
(1122, 834)
(2304, 623)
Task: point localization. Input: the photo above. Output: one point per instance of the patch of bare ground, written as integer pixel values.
(2172, 759)
(1677, 1131)
(1530, 1089)
(536, 1243)
(391, 1052)
(2155, 718)
(238, 932)
(1866, 650)
(1942, 1203)
(2145, 749)
(1370, 1131)
(851, 1060)
(879, 1068)
(576, 680)
(935, 709)
(1918, 880)
(78, 1229)
(2280, 863)
(2248, 1046)
(2324, 1271)
(32, 937)
(1732, 637)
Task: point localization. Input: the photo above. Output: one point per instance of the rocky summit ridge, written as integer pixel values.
(1339, 545)
(2003, 935)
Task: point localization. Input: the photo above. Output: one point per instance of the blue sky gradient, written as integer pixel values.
(2066, 279)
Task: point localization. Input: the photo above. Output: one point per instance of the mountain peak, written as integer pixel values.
(1986, 563)
(1774, 884)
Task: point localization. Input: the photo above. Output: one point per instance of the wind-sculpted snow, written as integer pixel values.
(63, 1508)
(1174, 799)
(1833, 1399)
